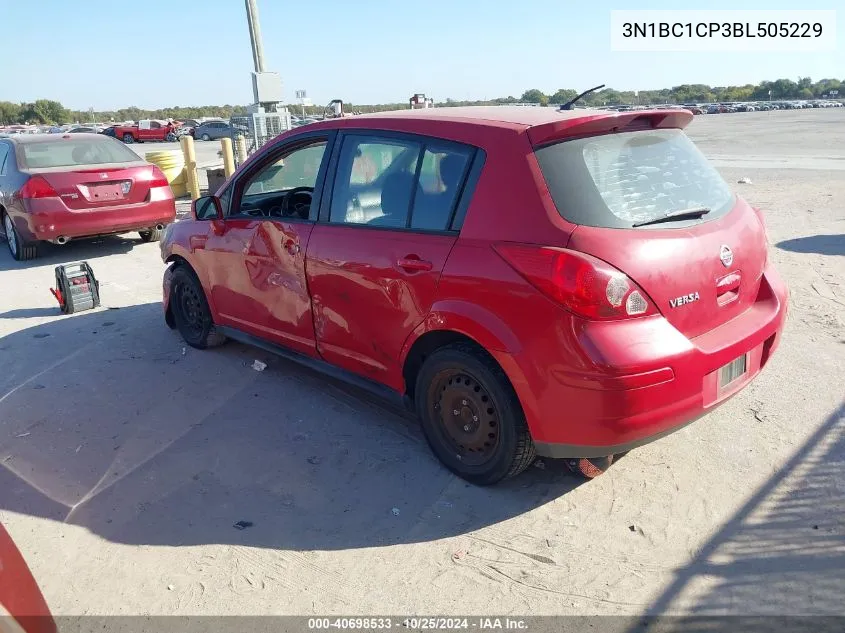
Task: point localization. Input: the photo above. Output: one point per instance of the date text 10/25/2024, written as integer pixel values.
(419, 624)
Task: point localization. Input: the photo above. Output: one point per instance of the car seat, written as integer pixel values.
(395, 200)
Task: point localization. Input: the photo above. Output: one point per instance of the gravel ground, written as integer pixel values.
(127, 458)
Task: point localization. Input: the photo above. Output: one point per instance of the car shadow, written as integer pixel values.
(75, 250)
(821, 244)
(108, 421)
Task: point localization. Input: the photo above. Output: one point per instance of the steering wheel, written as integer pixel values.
(300, 209)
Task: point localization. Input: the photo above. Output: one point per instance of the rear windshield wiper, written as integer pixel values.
(680, 214)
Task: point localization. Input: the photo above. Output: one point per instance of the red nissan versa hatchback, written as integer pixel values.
(570, 284)
(56, 188)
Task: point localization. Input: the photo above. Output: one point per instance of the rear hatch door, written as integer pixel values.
(701, 270)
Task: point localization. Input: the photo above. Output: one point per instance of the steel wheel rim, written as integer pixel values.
(191, 309)
(11, 240)
(466, 416)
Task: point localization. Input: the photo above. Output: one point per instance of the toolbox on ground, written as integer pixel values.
(76, 287)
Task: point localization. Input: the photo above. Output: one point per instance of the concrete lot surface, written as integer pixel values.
(127, 457)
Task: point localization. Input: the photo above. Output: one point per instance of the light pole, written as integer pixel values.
(255, 35)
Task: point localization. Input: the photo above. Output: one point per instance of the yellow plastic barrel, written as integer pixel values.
(172, 164)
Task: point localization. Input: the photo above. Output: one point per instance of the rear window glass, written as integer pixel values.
(76, 151)
(618, 180)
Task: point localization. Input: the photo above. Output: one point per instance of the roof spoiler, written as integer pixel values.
(608, 123)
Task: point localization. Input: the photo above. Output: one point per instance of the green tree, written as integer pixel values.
(534, 96)
(9, 113)
(562, 95)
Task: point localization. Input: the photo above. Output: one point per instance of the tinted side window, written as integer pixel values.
(4, 151)
(375, 181)
(300, 168)
(441, 176)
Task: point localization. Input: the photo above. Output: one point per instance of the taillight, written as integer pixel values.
(582, 284)
(159, 179)
(37, 187)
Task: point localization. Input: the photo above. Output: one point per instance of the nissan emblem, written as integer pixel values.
(726, 255)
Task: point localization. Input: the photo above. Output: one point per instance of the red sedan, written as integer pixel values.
(56, 188)
(570, 284)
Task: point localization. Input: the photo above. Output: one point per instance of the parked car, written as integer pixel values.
(83, 129)
(22, 605)
(57, 188)
(529, 281)
(212, 130)
(109, 131)
(146, 130)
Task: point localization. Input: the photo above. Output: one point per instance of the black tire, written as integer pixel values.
(19, 249)
(153, 235)
(170, 137)
(510, 449)
(205, 137)
(190, 310)
(128, 138)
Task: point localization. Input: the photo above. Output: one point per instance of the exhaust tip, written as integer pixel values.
(159, 227)
(62, 239)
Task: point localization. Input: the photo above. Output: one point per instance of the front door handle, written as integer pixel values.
(412, 263)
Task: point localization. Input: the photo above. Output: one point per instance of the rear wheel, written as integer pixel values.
(128, 139)
(19, 250)
(190, 310)
(471, 416)
(152, 235)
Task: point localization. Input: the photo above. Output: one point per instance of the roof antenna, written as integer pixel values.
(568, 105)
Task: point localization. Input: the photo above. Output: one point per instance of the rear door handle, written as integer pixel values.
(413, 264)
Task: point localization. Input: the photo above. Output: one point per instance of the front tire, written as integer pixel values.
(170, 137)
(128, 139)
(19, 250)
(205, 137)
(191, 313)
(153, 235)
(471, 416)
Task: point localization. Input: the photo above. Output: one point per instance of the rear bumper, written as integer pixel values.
(671, 382)
(49, 218)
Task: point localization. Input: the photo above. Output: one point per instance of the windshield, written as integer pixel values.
(619, 180)
(95, 150)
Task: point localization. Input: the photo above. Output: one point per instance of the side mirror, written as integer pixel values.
(207, 208)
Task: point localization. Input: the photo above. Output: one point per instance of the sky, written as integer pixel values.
(109, 54)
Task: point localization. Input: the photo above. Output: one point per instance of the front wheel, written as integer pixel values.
(170, 137)
(19, 250)
(471, 416)
(190, 310)
(128, 139)
(205, 137)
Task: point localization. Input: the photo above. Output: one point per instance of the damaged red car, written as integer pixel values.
(564, 283)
